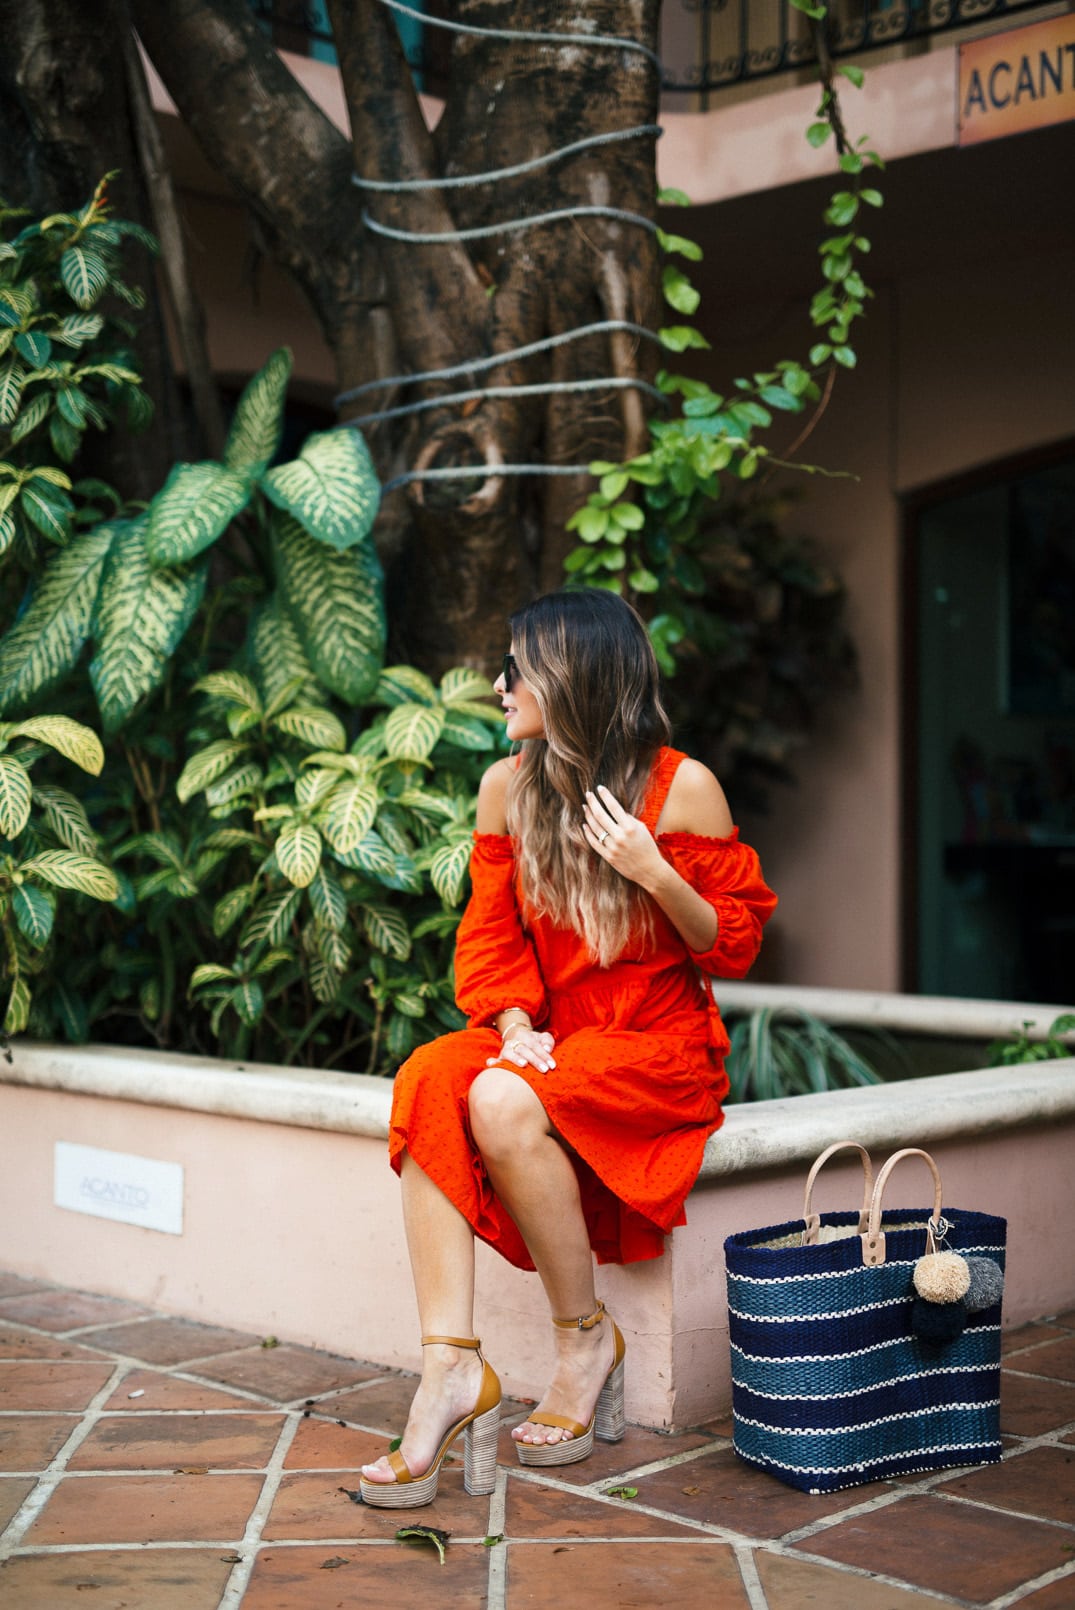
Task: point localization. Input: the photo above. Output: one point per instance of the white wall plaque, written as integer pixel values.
(117, 1185)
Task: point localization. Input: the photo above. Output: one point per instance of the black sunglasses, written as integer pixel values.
(511, 671)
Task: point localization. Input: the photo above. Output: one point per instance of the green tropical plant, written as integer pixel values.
(65, 366)
(1021, 1048)
(787, 1051)
(46, 844)
(671, 527)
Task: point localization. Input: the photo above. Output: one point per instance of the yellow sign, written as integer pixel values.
(1016, 81)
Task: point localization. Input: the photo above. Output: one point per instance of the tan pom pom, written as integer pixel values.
(941, 1277)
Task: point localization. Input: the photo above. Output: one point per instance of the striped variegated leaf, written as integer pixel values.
(271, 918)
(70, 738)
(16, 793)
(465, 732)
(195, 504)
(69, 870)
(248, 999)
(78, 328)
(403, 684)
(84, 274)
(318, 728)
(8, 529)
(242, 780)
(12, 380)
(406, 876)
(230, 685)
(209, 973)
(203, 769)
(279, 660)
(142, 614)
(328, 898)
(67, 818)
(48, 509)
(371, 854)
(448, 870)
(387, 931)
(428, 803)
(31, 416)
(18, 1007)
(348, 814)
(461, 682)
(298, 853)
(334, 947)
(259, 417)
(34, 910)
(335, 601)
(331, 488)
(412, 730)
(35, 347)
(230, 907)
(491, 714)
(314, 787)
(46, 640)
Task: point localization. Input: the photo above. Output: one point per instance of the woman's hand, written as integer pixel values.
(524, 1046)
(621, 839)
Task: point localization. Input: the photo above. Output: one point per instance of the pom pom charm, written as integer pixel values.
(942, 1277)
(937, 1324)
(986, 1284)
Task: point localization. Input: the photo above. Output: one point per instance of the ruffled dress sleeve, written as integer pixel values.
(495, 963)
(727, 874)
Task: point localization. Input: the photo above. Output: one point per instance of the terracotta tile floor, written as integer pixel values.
(152, 1463)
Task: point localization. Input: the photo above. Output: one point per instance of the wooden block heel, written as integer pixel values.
(479, 1430)
(608, 1420)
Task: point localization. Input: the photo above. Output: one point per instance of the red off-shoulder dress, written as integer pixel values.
(640, 1046)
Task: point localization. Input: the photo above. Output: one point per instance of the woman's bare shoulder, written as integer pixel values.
(493, 796)
(696, 803)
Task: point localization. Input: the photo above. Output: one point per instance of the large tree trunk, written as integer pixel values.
(65, 121)
(461, 554)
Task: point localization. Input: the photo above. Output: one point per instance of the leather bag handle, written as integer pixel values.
(873, 1241)
(812, 1220)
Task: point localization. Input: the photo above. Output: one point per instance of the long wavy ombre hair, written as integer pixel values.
(585, 656)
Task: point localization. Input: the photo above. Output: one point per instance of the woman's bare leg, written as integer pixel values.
(441, 1247)
(534, 1178)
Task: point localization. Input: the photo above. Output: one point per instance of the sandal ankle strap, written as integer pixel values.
(471, 1342)
(586, 1322)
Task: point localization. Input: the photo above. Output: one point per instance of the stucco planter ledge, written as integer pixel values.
(291, 1221)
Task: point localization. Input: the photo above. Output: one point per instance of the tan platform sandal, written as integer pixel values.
(607, 1421)
(479, 1446)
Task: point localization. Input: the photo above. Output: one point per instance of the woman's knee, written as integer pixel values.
(505, 1113)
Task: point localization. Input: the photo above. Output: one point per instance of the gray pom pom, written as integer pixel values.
(986, 1284)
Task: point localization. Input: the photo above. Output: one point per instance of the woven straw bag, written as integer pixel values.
(831, 1384)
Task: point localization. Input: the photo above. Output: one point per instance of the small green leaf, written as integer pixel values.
(818, 133)
(34, 912)
(621, 1492)
(317, 728)
(386, 929)
(448, 870)
(348, 814)
(271, 918)
(463, 683)
(248, 999)
(18, 1007)
(853, 74)
(680, 337)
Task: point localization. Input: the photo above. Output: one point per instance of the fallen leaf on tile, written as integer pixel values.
(426, 1534)
(563, 1549)
(139, 1394)
(270, 1341)
(621, 1492)
(231, 1559)
(490, 1542)
(334, 1564)
(691, 1492)
(192, 1470)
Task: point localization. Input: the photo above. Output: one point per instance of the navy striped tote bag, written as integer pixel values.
(838, 1377)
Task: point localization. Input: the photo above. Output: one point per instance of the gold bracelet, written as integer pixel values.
(516, 1023)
